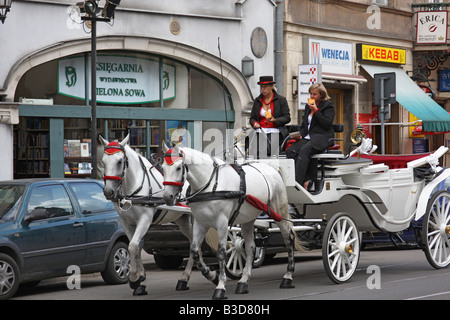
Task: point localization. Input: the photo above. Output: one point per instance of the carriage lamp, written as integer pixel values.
(5, 5)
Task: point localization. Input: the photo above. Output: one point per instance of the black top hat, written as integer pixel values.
(264, 80)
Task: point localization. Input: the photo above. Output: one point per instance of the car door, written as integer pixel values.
(53, 237)
(100, 219)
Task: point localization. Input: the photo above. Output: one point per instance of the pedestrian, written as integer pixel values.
(269, 116)
(316, 134)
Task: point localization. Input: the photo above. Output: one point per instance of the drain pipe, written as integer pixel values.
(279, 45)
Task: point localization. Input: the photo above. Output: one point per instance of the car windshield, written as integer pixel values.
(10, 196)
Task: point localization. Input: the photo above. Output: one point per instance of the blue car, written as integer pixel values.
(49, 225)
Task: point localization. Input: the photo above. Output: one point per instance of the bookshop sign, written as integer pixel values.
(120, 79)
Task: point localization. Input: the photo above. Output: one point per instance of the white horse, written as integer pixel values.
(134, 185)
(218, 199)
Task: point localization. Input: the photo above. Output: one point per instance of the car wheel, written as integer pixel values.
(168, 262)
(118, 265)
(260, 253)
(9, 276)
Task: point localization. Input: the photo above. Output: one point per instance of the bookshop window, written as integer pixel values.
(118, 129)
(213, 137)
(77, 147)
(184, 86)
(206, 92)
(31, 148)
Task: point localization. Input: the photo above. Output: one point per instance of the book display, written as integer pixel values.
(32, 143)
(31, 140)
(137, 129)
(77, 148)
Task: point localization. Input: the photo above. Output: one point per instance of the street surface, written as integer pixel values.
(382, 275)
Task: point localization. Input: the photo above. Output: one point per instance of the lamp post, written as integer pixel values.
(90, 8)
(5, 5)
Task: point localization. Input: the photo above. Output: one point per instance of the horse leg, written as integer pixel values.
(288, 236)
(198, 234)
(130, 231)
(137, 270)
(249, 240)
(184, 222)
(222, 230)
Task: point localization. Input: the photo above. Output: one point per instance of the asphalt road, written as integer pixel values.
(381, 275)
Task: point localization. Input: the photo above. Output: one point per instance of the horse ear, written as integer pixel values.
(164, 147)
(103, 141)
(125, 140)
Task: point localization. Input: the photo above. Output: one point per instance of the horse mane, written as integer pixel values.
(193, 156)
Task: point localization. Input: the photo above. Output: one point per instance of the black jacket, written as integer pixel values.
(321, 130)
(280, 112)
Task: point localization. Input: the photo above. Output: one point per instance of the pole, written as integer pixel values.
(94, 98)
(383, 133)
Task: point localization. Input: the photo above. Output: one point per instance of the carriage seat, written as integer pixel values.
(333, 152)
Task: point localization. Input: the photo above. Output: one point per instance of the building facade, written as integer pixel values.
(167, 68)
(353, 40)
(161, 66)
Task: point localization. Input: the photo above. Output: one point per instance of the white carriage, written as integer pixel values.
(358, 196)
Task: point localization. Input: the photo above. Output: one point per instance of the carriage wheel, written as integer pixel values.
(436, 230)
(236, 257)
(341, 248)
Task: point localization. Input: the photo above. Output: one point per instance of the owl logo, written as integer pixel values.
(166, 80)
(71, 76)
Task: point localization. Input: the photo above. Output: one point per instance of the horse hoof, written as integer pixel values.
(182, 286)
(219, 294)
(286, 284)
(140, 291)
(136, 284)
(242, 288)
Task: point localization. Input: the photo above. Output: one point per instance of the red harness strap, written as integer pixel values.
(258, 204)
(173, 183)
(112, 178)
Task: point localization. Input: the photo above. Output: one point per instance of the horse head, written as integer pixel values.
(174, 173)
(115, 163)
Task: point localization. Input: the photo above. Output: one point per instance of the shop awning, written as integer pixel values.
(409, 95)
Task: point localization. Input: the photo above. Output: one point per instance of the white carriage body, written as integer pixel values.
(376, 197)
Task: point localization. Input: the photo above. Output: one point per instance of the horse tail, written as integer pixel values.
(299, 244)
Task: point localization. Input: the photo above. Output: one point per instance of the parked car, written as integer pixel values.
(169, 247)
(47, 225)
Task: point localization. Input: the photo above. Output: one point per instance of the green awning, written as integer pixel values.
(411, 96)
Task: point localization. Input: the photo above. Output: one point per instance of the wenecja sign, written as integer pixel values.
(120, 79)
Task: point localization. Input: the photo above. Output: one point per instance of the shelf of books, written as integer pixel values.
(138, 136)
(77, 148)
(31, 148)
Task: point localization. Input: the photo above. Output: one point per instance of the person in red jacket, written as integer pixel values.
(316, 130)
(269, 116)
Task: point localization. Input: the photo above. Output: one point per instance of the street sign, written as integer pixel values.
(385, 95)
(384, 88)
